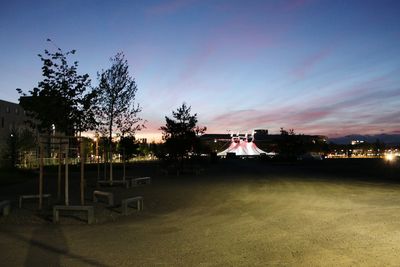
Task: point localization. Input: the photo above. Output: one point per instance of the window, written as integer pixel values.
(8, 109)
(16, 111)
(2, 122)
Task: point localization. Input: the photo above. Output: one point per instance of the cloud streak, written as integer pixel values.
(312, 62)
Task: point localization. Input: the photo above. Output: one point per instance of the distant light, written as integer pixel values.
(389, 157)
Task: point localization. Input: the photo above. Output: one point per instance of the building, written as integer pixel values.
(12, 118)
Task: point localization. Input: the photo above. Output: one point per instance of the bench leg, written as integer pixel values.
(90, 216)
(140, 204)
(55, 216)
(111, 201)
(6, 210)
(125, 208)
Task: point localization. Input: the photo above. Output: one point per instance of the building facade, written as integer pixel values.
(12, 118)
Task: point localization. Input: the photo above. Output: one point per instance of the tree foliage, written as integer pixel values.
(63, 98)
(118, 112)
(180, 132)
(290, 145)
(127, 146)
(19, 141)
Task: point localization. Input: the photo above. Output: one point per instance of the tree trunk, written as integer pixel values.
(110, 148)
(82, 158)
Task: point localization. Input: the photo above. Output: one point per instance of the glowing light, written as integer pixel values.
(389, 157)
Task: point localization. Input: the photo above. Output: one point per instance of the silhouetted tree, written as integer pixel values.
(158, 150)
(18, 142)
(378, 147)
(180, 133)
(127, 146)
(290, 145)
(63, 98)
(144, 149)
(118, 113)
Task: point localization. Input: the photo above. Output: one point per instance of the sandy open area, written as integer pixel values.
(239, 213)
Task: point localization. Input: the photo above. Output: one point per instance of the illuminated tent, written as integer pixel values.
(243, 148)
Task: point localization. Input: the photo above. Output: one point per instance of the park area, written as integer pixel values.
(337, 212)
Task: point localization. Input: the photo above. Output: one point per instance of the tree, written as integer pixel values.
(180, 133)
(290, 145)
(118, 113)
(17, 143)
(62, 99)
(127, 146)
(378, 147)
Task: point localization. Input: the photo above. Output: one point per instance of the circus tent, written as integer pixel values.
(244, 147)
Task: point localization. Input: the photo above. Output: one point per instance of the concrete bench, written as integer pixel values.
(33, 197)
(125, 204)
(108, 195)
(5, 207)
(88, 209)
(140, 180)
(114, 182)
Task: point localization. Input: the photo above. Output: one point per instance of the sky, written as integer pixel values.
(318, 67)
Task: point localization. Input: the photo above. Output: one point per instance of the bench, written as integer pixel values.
(33, 196)
(108, 195)
(114, 182)
(89, 209)
(125, 204)
(140, 180)
(5, 207)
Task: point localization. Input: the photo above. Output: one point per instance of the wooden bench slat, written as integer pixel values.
(22, 197)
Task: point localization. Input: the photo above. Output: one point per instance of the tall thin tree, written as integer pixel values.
(118, 112)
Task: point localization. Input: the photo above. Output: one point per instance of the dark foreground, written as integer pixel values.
(239, 213)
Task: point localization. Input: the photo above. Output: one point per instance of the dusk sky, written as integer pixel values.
(319, 67)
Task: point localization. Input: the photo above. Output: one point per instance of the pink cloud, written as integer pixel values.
(347, 113)
(391, 118)
(310, 116)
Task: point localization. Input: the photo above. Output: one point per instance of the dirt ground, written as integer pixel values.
(237, 213)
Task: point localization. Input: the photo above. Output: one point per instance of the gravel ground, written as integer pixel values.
(240, 214)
